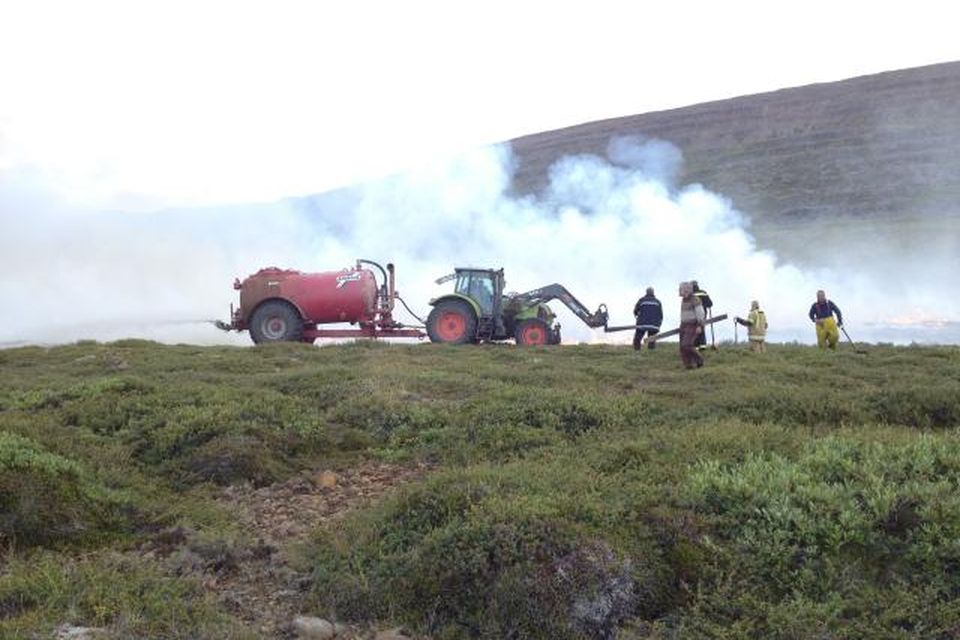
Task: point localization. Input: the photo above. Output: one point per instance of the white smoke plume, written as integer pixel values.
(607, 228)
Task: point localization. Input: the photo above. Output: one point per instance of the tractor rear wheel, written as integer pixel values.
(276, 321)
(452, 322)
(532, 333)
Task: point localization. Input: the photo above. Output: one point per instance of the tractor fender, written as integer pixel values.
(456, 296)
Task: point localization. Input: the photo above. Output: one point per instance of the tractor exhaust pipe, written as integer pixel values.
(391, 287)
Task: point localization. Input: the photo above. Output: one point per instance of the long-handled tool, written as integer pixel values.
(852, 343)
(673, 332)
(630, 327)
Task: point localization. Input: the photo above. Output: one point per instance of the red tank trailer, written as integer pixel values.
(283, 305)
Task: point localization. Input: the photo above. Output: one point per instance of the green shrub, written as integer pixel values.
(322, 388)
(569, 416)
(386, 418)
(228, 458)
(495, 553)
(920, 406)
(843, 516)
(125, 596)
(794, 406)
(227, 438)
(46, 498)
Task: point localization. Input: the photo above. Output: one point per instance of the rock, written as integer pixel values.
(70, 632)
(313, 628)
(327, 480)
(392, 634)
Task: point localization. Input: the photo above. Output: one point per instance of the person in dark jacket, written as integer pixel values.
(706, 303)
(649, 314)
(821, 313)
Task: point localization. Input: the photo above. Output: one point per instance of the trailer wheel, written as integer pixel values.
(532, 332)
(276, 321)
(452, 322)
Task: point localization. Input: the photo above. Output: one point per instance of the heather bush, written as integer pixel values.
(46, 498)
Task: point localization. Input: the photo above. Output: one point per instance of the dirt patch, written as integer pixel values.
(262, 588)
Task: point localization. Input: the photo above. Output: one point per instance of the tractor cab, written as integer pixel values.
(483, 286)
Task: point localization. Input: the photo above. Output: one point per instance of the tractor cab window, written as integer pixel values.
(478, 287)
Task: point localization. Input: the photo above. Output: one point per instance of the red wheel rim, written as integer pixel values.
(451, 326)
(534, 334)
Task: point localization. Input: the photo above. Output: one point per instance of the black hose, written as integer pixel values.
(371, 262)
(404, 303)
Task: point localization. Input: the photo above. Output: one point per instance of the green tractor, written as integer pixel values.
(479, 310)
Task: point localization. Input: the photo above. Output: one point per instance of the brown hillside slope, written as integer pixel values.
(885, 145)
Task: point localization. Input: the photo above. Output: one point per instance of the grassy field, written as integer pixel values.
(571, 492)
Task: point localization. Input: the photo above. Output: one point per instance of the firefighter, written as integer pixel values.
(828, 329)
(707, 304)
(692, 320)
(649, 314)
(756, 324)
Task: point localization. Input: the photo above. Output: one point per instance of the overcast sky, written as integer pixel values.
(138, 105)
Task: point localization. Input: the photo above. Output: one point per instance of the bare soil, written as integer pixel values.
(258, 583)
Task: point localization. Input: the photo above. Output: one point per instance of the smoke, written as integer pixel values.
(606, 230)
(70, 274)
(607, 227)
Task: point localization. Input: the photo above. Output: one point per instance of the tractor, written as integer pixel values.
(478, 310)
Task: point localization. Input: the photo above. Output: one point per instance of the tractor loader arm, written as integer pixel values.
(560, 292)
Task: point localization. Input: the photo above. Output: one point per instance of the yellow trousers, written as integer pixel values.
(827, 333)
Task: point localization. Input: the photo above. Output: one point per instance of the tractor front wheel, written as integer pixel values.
(276, 321)
(452, 322)
(532, 333)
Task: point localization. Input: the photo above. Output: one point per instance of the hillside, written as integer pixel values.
(840, 172)
(157, 491)
(880, 145)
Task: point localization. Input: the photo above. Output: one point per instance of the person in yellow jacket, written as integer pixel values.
(821, 313)
(756, 323)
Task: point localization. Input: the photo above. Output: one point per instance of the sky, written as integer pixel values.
(138, 105)
(147, 150)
